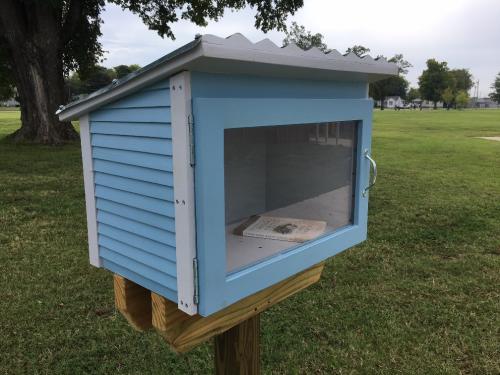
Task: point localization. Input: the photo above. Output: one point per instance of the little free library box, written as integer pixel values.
(227, 166)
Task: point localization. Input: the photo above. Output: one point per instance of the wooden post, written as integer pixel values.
(134, 302)
(237, 351)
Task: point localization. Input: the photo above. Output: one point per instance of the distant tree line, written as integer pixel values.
(393, 86)
(439, 83)
(436, 83)
(96, 78)
(76, 83)
(495, 94)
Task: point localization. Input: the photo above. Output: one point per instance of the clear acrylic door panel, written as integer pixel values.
(286, 185)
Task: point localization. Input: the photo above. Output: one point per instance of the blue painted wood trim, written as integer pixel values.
(210, 85)
(217, 290)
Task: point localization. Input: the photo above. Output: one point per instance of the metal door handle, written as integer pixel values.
(373, 178)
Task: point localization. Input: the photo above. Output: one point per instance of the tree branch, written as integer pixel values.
(71, 20)
(13, 21)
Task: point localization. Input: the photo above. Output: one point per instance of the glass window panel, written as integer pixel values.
(285, 185)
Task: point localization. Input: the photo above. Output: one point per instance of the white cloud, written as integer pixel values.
(463, 32)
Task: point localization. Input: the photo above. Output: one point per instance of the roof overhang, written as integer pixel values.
(237, 55)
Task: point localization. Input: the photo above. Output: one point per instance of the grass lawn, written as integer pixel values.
(421, 296)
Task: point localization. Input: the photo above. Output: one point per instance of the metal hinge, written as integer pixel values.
(196, 295)
(191, 140)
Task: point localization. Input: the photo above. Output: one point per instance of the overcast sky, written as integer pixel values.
(465, 33)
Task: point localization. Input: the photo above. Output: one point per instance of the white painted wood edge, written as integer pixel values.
(185, 230)
(88, 181)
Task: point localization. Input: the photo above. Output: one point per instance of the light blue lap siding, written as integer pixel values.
(141, 159)
(140, 144)
(139, 114)
(145, 188)
(132, 172)
(132, 152)
(158, 206)
(127, 128)
(139, 215)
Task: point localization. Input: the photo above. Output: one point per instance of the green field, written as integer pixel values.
(421, 296)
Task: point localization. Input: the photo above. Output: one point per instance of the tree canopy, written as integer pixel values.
(495, 94)
(358, 50)
(461, 80)
(96, 78)
(304, 39)
(46, 40)
(392, 86)
(462, 99)
(448, 97)
(438, 82)
(403, 65)
(434, 80)
(412, 94)
(123, 70)
(159, 15)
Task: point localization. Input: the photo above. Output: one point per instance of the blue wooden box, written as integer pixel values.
(182, 152)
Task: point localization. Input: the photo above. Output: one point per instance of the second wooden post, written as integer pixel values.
(237, 351)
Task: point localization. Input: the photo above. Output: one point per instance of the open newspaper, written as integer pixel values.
(281, 228)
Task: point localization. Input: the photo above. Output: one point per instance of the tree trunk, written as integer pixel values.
(41, 91)
(35, 52)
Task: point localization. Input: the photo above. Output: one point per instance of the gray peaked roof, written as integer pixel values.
(236, 54)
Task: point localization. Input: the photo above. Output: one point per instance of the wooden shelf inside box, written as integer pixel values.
(244, 251)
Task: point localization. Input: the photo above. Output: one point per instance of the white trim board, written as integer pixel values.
(185, 231)
(88, 181)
